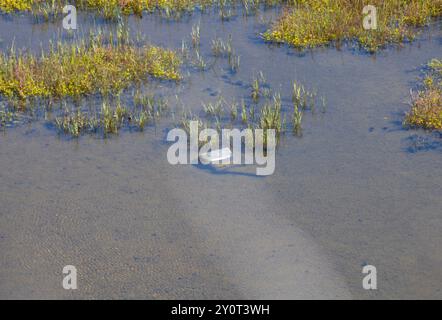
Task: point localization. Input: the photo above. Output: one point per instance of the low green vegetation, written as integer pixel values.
(114, 9)
(81, 69)
(312, 23)
(9, 6)
(426, 104)
(108, 8)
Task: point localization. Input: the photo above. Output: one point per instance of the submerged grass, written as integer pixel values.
(312, 23)
(426, 109)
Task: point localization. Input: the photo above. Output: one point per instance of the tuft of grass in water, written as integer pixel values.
(244, 117)
(142, 120)
(146, 101)
(252, 113)
(271, 118)
(225, 12)
(426, 104)
(109, 120)
(199, 62)
(297, 121)
(75, 123)
(218, 47)
(195, 35)
(255, 90)
(311, 23)
(233, 111)
(46, 10)
(151, 108)
(81, 69)
(234, 62)
(214, 110)
(222, 48)
(185, 125)
(120, 114)
(304, 99)
(6, 117)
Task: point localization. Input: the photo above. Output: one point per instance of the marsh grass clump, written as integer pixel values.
(108, 9)
(186, 118)
(297, 121)
(195, 35)
(191, 53)
(214, 109)
(305, 99)
(426, 104)
(244, 114)
(270, 117)
(75, 123)
(148, 109)
(80, 69)
(224, 49)
(198, 61)
(218, 47)
(154, 107)
(142, 119)
(311, 23)
(257, 86)
(47, 10)
(233, 111)
(221, 48)
(234, 62)
(109, 120)
(6, 117)
(225, 10)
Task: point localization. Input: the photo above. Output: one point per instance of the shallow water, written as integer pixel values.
(356, 189)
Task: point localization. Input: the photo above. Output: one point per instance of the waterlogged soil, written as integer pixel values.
(356, 189)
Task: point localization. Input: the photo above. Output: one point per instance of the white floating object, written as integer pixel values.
(216, 155)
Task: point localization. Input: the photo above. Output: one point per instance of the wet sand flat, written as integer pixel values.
(352, 191)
